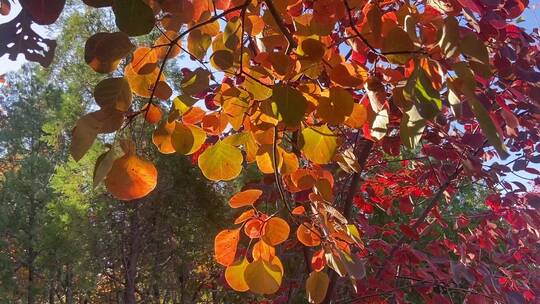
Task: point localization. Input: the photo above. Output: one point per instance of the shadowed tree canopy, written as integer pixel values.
(386, 151)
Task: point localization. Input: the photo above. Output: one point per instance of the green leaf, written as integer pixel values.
(84, 134)
(288, 104)
(103, 166)
(420, 91)
(411, 128)
(133, 17)
(486, 124)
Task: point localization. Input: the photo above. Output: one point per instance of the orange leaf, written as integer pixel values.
(162, 137)
(131, 177)
(244, 216)
(261, 250)
(225, 245)
(299, 210)
(245, 198)
(234, 275)
(276, 231)
(253, 228)
(306, 235)
(152, 113)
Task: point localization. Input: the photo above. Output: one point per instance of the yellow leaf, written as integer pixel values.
(221, 161)
(319, 144)
(187, 139)
(262, 277)
(234, 275)
(316, 286)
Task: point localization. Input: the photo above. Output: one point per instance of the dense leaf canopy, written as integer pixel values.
(364, 119)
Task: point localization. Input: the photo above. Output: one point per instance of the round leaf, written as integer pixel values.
(245, 198)
(115, 93)
(319, 144)
(221, 161)
(187, 139)
(234, 275)
(316, 286)
(131, 178)
(288, 104)
(133, 17)
(276, 231)
(225, 245)
(262, 277)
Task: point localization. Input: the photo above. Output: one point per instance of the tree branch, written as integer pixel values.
(347, 206)
(281, 25)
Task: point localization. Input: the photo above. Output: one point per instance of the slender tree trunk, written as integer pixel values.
(31, 254)
(51, 292)
(132, 258)
(69, 290)
(30, 289)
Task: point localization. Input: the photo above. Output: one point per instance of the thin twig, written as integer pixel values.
(281, 25)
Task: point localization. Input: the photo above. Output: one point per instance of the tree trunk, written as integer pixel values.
(132, 257)
(51, 292)
(69, 290)
(30, 288)
(31, 253)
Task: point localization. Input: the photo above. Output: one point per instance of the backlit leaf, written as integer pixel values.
(115, 93)
(245, 198)
(162, 137)
(276, 231)
(308, 235)
(133, 17)
(288, 104)
(263, 277)
(103, 166)
(234, 275)
(319, 144)
(187, 139)
(221, 161)
(225, 245)
(131, 177)
(316, 286)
